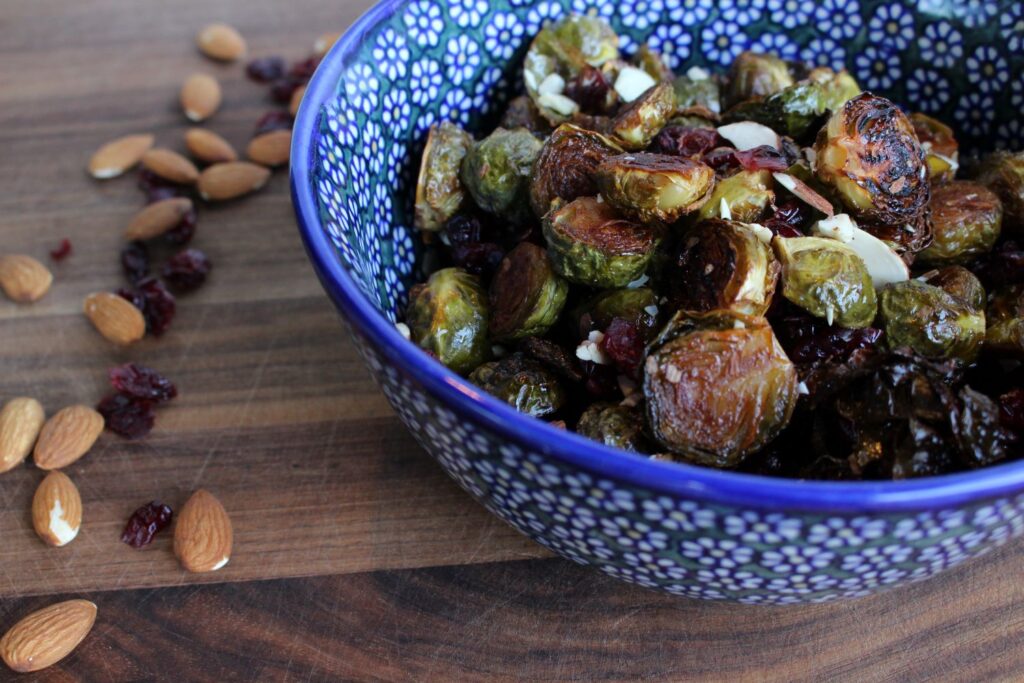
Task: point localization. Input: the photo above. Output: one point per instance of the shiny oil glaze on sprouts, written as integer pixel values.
(768, 270)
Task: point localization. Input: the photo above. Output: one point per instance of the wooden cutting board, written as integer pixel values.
(278, 417)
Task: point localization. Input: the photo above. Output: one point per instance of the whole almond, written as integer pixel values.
(231, 179)
(271, 149)
(203, 535)
(117, 156)
(57, 509)
(114, 317)
(23, 278)
(157, 218)
(170, 166)
(200, 96)
(325, 43)
(293, 106)
(208, 147)
(20, 422)
(67, 436)
(220, 41)
(47, 636)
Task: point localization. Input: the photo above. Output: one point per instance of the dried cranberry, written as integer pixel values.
(62, 251)
(589, 89)
(186, 270)
(1011, 410)
(156, 188)
(184, 231)
(141, 383)
(273, 120)
(282, 89)
(156, 303)
(303, 71)
(145, 523)
(762, 157)
(807, 339)
(1004, 265)
(686, 141)
(722, 159)
(624, 344)
(462, 229)
(787, 218)
(135, 262)
(265, 69)
(479, 258)
(599, 380)
(125, 416)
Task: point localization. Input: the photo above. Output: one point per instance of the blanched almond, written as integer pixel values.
(170, 166)
(293, 106)
(231, 179)
(20, 422)
(157, 218)
(47, 636)
(220, 41)
(23, 278)
(117, 156)
(325, 43)
(115, 318)
(271, 149)
(67, 436)
(57, 509)
(203, 534)
(200, 96)
(208, 147)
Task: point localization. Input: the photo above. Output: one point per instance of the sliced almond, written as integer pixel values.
(203, 534)
(748, 135)
(20, 422)
(271, 149)
(67, 436)
(293, 106)
(23, 278)
(157, 218)
(57, 509)
(115, 318)
(170, 166)
(220, 41)
(208, 147)
(804, 192)
(324, 43)
(117, 156)
(200, 96)
(231, 179)
(47, 636)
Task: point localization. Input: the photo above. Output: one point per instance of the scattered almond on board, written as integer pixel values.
(20, 421)
(23, 278)
(157, 218)
(67, 436)
(116, 318)
(221, 42)
(200, 97)
(47, 636)
(57, 509)
(170, 166)
(231, 179)
(117, 156)
(208, 147)
(203, 534)
(271, 149)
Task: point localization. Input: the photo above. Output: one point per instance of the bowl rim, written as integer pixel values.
(678, 480)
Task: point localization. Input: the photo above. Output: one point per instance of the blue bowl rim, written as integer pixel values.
(673, 479)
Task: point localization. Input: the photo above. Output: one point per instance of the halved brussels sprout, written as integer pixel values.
(526, 294)
(521, 382)
(755, 76)
(1003, 173)
(652, 62)
(497, 171)
(654, 187)
(747, 194)
(930, 321)
(827, 279)
(638, 305)
(693, 95)
(958, 282)
(718, 386)
(940, 147)
(724, 265)
(566, 165)
(523, 113)
(637, 123)
(614, 425)
(439, 192)
(794, 110)
(447, 315)
(1005, 332)
(965, 220)
(589, 244)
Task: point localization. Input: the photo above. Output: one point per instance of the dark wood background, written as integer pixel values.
(355, 557)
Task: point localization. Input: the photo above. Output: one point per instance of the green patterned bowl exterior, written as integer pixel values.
(681, 529)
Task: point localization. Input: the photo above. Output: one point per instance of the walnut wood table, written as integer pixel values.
(355, 556)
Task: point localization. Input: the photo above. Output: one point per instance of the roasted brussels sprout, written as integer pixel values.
(958, 282)
(755, 76)
(447, 315)
(614, 425)
(747, 194)
(589, 244)
(523, 383)
(718, 386)
(827, 279)
(639, 121)
(965, 220)
(654, 187)
(566, 165)
(794, 110)
(652, 62)
(697, 92)
(438, 191)
(497, 172)
(526, 294)
(523, 113)
(638, 305)
(1005, 333)
(930, 321)
(1003, 173)
(940, 147)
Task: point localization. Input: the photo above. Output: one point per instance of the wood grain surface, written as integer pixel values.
(408, 578)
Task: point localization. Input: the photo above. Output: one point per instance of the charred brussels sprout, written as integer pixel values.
(959, 282)
(523, 113)
(590, 245)
(526, 294)
(1005, 332)
(718, 386)
(940, 147)
(521, 382)
(827, 279)
(795, 110)
(748, 195)
(639, 121)
(1003, 173)
(639, 306)
(693, 95)
(447, 315)
(566, 165)
(439, 192)
(614, 425)
(930, 321)
(497, 169)
(965, 220)
(654, 187)
(755, 76)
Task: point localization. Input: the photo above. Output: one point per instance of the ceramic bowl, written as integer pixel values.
(682, 529)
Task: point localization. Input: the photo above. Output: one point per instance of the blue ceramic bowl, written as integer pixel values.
(683, 529)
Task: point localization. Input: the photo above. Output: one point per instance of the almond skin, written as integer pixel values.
(208, 147)
(20, 422)
(221, 42)
(203, 534)
(293, 106)
(170, 166)
(23, 278)
(157, 218)
(57, 509)
(231, 179)
(67, 436)
(47, 636)
(271, 149)
(200, 97)
(117, 156)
